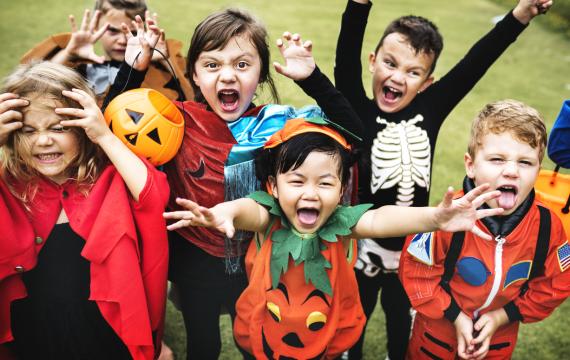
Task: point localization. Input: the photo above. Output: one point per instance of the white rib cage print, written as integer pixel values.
(400, 157)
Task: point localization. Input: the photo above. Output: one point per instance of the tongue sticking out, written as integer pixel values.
(307, 216)
(507, 200)
(390, 95)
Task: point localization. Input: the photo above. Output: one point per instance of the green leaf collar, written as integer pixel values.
(307, 248)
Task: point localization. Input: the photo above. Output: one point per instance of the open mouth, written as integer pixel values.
(48, 157)
(229, 100)
(508, 197)
(391, 94)
(268, 351)
(307, 216)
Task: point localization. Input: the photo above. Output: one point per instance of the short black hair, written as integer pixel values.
(421, 33)
(291, 154)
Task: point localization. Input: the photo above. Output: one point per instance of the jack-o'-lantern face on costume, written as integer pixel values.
(296, 316)
(295, 320)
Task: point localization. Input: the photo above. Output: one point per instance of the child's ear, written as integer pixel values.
(469, 166)
(427, 83)
(371, 62)
(195, 78)
(272, 185)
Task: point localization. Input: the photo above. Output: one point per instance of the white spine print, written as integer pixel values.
(400, 157)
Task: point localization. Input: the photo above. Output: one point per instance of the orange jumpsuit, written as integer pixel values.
(488, 275)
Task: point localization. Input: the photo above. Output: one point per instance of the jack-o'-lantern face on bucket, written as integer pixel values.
(295, 319)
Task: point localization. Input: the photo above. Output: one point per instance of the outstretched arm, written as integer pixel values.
(81, 44)
(300, 66)
(244, 214)
(132, 169)
(450, 215)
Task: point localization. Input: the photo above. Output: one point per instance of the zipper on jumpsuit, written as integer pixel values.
(497, 277)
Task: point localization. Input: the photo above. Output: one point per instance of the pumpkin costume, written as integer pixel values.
(285, 314)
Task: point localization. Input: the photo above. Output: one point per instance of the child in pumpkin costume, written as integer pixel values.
(302, 299)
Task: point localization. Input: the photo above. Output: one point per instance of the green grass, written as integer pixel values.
(534, 70)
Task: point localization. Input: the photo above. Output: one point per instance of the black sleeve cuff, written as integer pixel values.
(312, 82)
(357, 10)
(127, 79)
(513, 312)
(452, 312)
(511, 24)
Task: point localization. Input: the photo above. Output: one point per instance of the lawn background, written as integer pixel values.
(535, 70)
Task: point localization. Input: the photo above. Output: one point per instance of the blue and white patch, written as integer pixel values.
(472, 270)
(518, 271)
(563, 256)
(421, 248)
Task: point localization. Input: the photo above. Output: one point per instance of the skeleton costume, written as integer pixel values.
(398, 153)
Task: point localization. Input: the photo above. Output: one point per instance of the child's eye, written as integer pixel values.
(497, 160)
(113, 31)
(28, 130)
(389, 63)
(525, 162)
(58, 129)
(242, 65)
(326, 184)
(211, 65)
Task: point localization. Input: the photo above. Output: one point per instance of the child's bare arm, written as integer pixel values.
(244, 214)
(81, 44)
(132, 169)
(450, 215)
(526, 10)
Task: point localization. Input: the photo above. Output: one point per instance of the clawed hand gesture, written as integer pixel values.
(139, 51)
(81, 44)
(461, 214)
(10, 114)
(298, 56)
(196, 215)
(89, 117)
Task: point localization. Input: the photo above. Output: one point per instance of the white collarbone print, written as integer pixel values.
(400, 157)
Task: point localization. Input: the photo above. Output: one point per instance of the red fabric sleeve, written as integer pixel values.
(421, 281)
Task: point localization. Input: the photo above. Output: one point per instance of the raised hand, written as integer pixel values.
(196, 215)
(138, 53)
(298, 56)
(81, 44)
(10, 114)
(161, 44)
(89, 118)
(526, 10)
(461, 214)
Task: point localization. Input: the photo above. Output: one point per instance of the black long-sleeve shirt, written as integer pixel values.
(398, 147)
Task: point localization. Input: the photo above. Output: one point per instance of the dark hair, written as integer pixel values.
(216, 31)
(421, 33)
(131, 8)
(291, 154)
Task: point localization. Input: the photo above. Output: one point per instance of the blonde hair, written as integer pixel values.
(42, 81)
(523, 122)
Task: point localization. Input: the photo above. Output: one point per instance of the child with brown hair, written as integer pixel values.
(404, 117)
(76, 49)
(471, 293)
(302, 300)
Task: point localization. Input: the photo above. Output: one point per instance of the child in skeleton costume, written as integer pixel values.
(76, 50)
(471, 294)
(229, 59)
(302, 300)
(404, 118)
